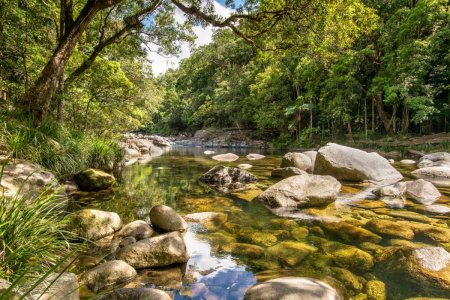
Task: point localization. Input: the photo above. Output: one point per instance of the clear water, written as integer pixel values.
(215, 273)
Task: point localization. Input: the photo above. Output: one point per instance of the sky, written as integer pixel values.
(161, 64)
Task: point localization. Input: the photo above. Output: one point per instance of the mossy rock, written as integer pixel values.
(350, 280)
(285, 224)
(409, 215)
(242, 249)
(94, 180)
(260, 238)
(299, 233)
(359, 296)
(290, 253)
(351, 233)
(349, 257)
(264, 264)
(371, 247)
(376, 290)
(231, 227)
(220, 238)
(429, 232)
(390, 228)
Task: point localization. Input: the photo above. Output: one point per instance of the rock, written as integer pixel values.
(422, 191)
(348, 278)
(299, 233)
(229, 157)
(130, 153)
(391, 161)
(312, 156)
(94, 224)
(396, 190)
(394, 203)
(435, 157)
(94, 180)
(227, 179)
(390, 228)
(302, 191)
(430, 232)
(408, 162)
(136, 294)
(254, 156)
(351, 233)
(296, 160)
(247, 250)
(15, 294)
(107, 275)
(287, 172)
(425, 163)
(162, 250)
(165, 218)
(245, 166)
(295, 288)
(436, 209)
(349, 257)
(57, 286)
(27, 178)
(204, 217)
(209, 152)
(428, 269)
(439, 176)
(138, 229)
(376, 290)
(345, 163)
(290, 253)
(256, 237)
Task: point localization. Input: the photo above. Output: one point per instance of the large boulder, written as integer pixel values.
(57, 286)
(136, 294)
(138, 229)
(228, 157)
(439, 176)
(297, 160)
(437, 158)
(287, 172)
(108, 274)
(166, 219)
(22, 177)
(94, 224)
(345, 163)
(292, 288)
(227, 179)
(302, 191)
(422, 191)
(162, 250)
(94, 180)
(427, 269)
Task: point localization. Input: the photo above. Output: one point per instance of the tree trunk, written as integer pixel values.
(405, 119)
(37, 98)
(365, 117)
(384, 118)
(60, 102)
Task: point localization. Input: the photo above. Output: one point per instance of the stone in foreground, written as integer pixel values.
(166, 219)
(422, 191)
(57, 286)
(226, 179)
(297, 160)
(346, 163)
(107, 275)
(94, 224)
(136, 294)
(162, 250)
(439, 176)
(94, 180)
(302, 191)
(292, 288)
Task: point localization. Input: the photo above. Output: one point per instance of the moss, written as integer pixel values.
(390, 228)
(349, 257)
(256, 237)
(264, 264)
(350, 280)
(242, 249)
(351, 233)
(299, 233)
(376, 290)
(285, 224)
(290, 253)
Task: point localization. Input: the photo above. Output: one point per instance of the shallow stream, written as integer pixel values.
(250, 244)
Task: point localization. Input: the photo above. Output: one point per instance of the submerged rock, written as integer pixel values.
(302, 191)
(408, 162)
(422, 191)
(345, 163)
(248, 250)
(297, 160)
(162, 250)
(94, 224)
(376, 290)
(290, 253)
(257, 237)
(166, 218)
(287, 172)
(349, 257)
(94, 180)
(228, 157)
(428, 269)
(227, 179)
(107, 275)
(298, 288)
(245, 166)
(136, 294)
(390, 228)
(254, 156)
(439, 176)
(351, 233)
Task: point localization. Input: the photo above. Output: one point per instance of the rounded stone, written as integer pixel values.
(107, 275)
(297, 160)
(136, 294)
(165, 218)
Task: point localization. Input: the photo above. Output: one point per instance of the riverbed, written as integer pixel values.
(276, 246)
